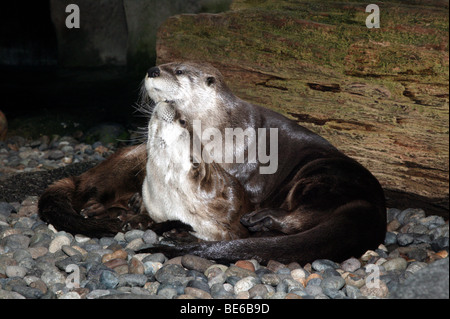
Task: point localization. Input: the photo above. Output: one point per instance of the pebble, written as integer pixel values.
(33, 256)
(16, 271)
(245, 284)
(196, 263)
(197, 293)
(395, 264)
(245, 264)
(322, 264)
(58, 243)
(351, 264)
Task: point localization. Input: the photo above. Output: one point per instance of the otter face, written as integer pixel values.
(193, 86)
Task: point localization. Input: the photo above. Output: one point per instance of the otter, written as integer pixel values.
(319, 203)
(181, 186)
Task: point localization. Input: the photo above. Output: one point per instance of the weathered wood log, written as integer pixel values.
(379, 95)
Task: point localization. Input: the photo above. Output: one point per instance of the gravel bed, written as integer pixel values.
(38, 262)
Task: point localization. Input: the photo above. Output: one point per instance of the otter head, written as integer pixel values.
(195, 87)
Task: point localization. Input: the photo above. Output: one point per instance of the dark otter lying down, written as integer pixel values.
(319, 203)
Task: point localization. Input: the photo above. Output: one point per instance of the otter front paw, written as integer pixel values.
(135, 203)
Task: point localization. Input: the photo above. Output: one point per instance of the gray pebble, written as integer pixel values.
(322, 264)
(132, 280)
(109, 279)
(196, 263)
(16, 271)
(133, 234)
(150, 237)
(219, 292)
(199, 284)
(168, 293)
(6, 209)
(14, 242)
(333, 282)
(313, 290)
(390, 239)
(28, 292)
(171, 273)
(395, 264)
(351, 264)
(405, 239)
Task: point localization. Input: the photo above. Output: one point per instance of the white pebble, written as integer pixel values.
(244, 284)
(298, 274)
(70, 295)
(81, 238)
(57, 243)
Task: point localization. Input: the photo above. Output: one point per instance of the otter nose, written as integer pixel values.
(154, 72)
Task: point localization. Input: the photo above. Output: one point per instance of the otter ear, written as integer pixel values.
(210, 80)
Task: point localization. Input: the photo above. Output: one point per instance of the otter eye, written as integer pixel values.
(182, 122)
(179, 72)
(210, 80)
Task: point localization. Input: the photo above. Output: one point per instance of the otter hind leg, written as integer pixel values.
(268, 219)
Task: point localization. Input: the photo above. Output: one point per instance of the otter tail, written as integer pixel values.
(349, 231)
(56, 207)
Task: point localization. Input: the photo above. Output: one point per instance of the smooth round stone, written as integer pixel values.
(390, 239)
(196, 263)
(94, 294)
(16, 271)
(299, 274)
(28, 292)
(171, 273)
(322, 264)
(132, 280)
(313, 290)
(405, 239)
(158, 257)
(135, 244)
(199, 284)
(70, 295)
(218, 291)
(150, 237)
(379, 292)
(258, 290)
(133, 234)
(15, 241)
(395, 264)
(333, 282)
(168, 293)
(58, 243)
(245, 284)
(52, 277)
(240, 272)
(197, 293)
(215, 269)
(69, 251)
(351, 264)
(270, 279)
(136, 266)
(109, 279)
(151, 267)
(245, 264)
